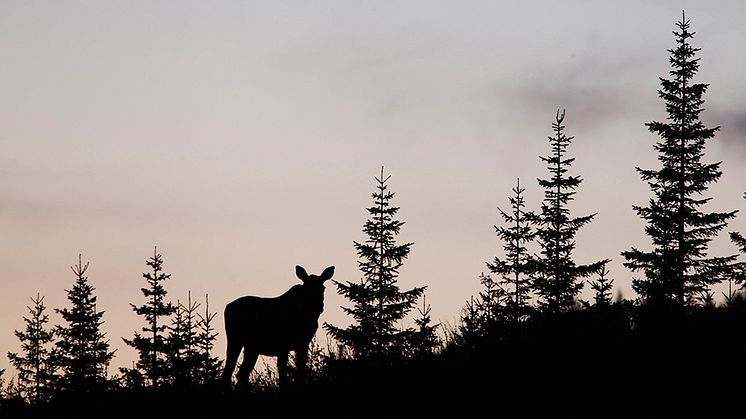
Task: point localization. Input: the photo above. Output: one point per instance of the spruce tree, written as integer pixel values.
(317, 361)
(378, 303)
(738, 239)
(10, 391)
(426, 339)
(482, 315)
(558, 277)
(82, 351)
(677, 270)
(174, 344)
(183, 356)
(36, 371)
(516, 268)
(602, 287)
(210, 366)
(490, 304)
(151, 343)
(738, 274)
(471, 327)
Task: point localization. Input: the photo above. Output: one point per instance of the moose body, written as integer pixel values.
(274, 326)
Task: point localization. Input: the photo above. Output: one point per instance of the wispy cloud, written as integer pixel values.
(732, 122)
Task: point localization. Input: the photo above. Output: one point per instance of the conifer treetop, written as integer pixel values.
(678, 271)
(557, 281)
(378, 303)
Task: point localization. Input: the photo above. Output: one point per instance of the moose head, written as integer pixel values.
(312, 290)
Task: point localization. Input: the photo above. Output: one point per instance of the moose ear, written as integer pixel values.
(328, 273)
(301, 273)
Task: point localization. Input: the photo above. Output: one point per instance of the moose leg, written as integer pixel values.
(249, 359)
(282, 369)
(301, 359)
(231, 357)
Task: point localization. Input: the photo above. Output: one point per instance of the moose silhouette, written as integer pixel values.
(274, 327)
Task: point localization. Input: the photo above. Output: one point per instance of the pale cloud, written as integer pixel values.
(732, 135)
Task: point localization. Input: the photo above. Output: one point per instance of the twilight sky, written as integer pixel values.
(242, 138)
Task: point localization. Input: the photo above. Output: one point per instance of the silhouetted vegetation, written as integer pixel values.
(425, 341)
(378, 304)
(525, 343)
(678, 272)
(151, 368)
(738, 275)
(558, 279)
(738, 239)
(515, 269)
(209, 368)
(189, 362)
(82, 352)
(182, 356)
(602, 287)
(36, 370)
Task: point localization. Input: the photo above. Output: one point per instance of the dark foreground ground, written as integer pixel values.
(578, 365)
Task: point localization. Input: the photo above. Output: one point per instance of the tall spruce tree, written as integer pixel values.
(677, 271)
(378, 304)
(558, 277)
(82, 351)
(36, 370)
(151, 343)
(516, 268)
